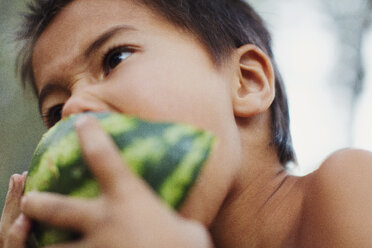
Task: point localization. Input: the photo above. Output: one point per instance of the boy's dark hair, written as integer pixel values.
(221, 25)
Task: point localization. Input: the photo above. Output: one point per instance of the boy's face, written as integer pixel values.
(100, 55)
(116, 56)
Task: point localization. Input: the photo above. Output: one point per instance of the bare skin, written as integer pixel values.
(244, 197)
(14, 226)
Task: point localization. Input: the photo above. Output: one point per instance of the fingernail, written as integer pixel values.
(24, 174)
(11, 183)
(21, 218)
(23, 202)
(81, 121)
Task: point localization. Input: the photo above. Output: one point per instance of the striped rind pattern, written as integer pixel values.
(167, 156)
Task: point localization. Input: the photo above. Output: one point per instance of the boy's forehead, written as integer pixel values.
(91, 16)
(83, 19)
(81, 22)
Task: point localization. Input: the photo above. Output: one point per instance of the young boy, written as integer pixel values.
(207, 63)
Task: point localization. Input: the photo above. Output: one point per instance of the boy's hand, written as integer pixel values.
(127, 214)
(14, 226)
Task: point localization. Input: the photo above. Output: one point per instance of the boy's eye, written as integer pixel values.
(53, 115)
(114, 57)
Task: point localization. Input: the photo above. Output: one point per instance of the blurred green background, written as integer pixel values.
(20, 124)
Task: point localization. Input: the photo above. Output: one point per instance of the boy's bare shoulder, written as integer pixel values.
(345, 166)
(338, 202)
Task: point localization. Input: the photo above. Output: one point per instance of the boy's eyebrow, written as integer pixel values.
(104, 37)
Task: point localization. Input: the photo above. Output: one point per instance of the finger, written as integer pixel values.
(59, 210)
(17, 234)
(11, 208)
(101, 154)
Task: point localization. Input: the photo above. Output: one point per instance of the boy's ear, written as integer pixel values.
(253, 91)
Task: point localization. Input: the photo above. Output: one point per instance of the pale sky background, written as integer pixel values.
(363, 132)
(308, 51)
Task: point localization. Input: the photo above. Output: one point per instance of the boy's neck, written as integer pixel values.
(262, 213)
(263, 207)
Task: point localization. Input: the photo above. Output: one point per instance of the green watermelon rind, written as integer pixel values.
(57, 163)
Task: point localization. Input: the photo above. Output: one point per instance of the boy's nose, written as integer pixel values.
(74, 105)
(81, 103)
